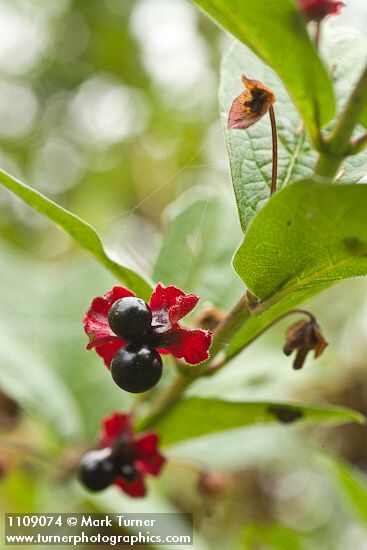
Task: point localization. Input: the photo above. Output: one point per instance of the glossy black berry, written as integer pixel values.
(130, 318)
(97, 471)
(136, 368)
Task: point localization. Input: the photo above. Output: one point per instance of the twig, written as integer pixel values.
(274, 137)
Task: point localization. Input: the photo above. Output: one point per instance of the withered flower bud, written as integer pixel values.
(250, 106)
(213, 483)
(304, 336)
(9, 412)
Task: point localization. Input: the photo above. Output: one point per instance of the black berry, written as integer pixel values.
(130, 318)
(136, 368)
(97, 471)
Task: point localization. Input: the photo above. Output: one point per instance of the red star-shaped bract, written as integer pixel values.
(169, 305)
(316, 10)
(138, 451)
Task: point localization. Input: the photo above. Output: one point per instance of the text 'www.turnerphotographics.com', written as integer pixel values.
(98, 529)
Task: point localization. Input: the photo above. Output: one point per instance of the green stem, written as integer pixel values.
(327, 166)
(338, 145)
(168, 397)
(228, 327)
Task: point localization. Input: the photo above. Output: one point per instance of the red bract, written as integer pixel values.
(137, 454)
(316, 10)
(168, 304)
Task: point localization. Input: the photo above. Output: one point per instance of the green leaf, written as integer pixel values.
(350, 481)
(78, 229)
(250, 151)
(275, 536)
(308, 236)
(276, 32)
(195, 417)
(201, 230)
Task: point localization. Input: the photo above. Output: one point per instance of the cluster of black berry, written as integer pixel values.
(136, 367)
(100, 468)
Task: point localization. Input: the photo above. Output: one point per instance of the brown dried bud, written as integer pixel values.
(9, 412)
(5, 465)
(304, 336)
(213, 483)
(250, 106)
(209, 317)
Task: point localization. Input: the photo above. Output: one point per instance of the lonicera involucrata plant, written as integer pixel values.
(304, 228)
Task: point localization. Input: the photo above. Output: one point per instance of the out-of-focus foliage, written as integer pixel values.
(111, 113)
(109, 107)
(194, 233)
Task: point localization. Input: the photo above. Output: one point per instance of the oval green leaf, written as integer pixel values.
(196, 417)
(308, 235)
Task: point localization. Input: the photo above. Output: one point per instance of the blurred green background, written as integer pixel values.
(109, 107)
